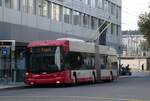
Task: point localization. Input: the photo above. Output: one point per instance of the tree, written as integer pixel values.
(144, 25)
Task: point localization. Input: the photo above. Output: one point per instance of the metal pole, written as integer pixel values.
(13, 61)
(103, 31)
(120, 49)
(97, 60)
(94, 34)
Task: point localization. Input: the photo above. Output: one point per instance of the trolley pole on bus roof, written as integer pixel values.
(96, 40)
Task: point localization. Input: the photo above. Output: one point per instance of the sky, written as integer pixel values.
(131, 9)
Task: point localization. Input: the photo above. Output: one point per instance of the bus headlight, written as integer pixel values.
(26, 73)
(57, 82)
(31, 83)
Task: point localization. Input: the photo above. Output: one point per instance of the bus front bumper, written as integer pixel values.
(32, 81)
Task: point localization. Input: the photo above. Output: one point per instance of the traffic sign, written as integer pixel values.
(5, 51)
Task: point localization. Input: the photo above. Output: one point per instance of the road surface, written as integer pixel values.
(124, 89)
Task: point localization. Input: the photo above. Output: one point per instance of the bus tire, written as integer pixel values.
(111, 76)
(75, 81)
(94, 77)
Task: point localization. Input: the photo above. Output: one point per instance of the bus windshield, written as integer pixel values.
(44, 59)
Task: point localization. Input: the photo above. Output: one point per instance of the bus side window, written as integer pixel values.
(114, 65)
(103, 66)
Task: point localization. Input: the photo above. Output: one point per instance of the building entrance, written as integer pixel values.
(7, 61)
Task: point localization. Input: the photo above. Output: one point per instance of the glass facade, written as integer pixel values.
(100, 4)
(87, 2)
(86, 20)
(29, 6)
(112, 9)
(115, 29)
(93, 3)
(14, 4)
(8, 3)
(106, 6)
(25, 6)
(32, 6)
(93, 23)
(56, 12)
(76, 18)
(118, 29)
(67, 15)
(112, 28)
(0, 2)
(43, 8)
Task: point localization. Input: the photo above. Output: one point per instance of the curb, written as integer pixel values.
(134, 76)
(12, 87)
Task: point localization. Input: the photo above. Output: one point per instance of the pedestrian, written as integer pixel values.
(127, 67)
(142, 66)
(128, 70)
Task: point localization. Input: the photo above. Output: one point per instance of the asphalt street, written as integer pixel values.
(124, 89)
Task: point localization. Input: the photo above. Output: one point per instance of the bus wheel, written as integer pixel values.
(111, 76)
(94, 77)
(75, 78)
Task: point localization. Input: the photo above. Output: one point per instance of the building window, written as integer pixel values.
(56, 12)
(93, 23)
(118, 29)
(118, 12)
(88, 2)
(67, 15)
(25, 6)
(86, 19)
(8, 3)
(100, 4)
(32, 6)
(0, 2)
(113, 10)
(76, 18)
(112, 28)
(14, 4)
(93, 3)
(43, 8)
(106, 6)
(109, 7)
(29, 6)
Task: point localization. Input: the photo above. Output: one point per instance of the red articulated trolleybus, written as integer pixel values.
(68, 62)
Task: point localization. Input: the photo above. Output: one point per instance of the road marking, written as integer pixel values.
(75, 97)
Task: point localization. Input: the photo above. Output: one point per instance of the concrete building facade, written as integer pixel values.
(132, 45)
(28, 20)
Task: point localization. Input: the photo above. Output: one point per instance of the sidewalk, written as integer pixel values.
(12, 85)
(141, 73)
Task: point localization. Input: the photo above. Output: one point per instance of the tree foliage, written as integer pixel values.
(144, 25)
